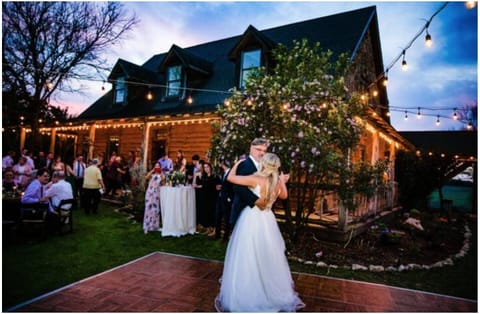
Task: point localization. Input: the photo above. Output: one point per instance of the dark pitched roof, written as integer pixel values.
(340, 33)
(462, 143)
(133, 72)
(188, 60)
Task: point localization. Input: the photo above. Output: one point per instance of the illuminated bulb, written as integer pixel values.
(455, 116)
(406, 116)
(419, 115)
(438, 121)
(149, 95)
(189, 100)
(470, 4)
(388, 113)
(428, 40)
(404, 65)
(375, 93)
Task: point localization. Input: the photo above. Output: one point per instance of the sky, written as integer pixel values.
(444, 76)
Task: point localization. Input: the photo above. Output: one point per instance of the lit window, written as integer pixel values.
(250, 61)
(120, 90)
(174, 75)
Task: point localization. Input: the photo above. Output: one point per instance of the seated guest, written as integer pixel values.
(36, 189)
(22, 172)
(58, 191)
(8, 184)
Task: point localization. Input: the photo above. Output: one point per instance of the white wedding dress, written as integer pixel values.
(256, 276)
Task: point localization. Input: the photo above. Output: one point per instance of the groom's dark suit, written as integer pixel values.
(243, 195)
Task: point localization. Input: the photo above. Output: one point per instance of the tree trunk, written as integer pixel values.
(342, 217)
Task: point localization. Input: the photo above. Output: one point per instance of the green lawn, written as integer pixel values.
(109, 239)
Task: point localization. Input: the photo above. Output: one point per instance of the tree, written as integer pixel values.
(46, 46)
(312, 121)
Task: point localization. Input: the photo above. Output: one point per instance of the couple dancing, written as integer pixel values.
(256, 276)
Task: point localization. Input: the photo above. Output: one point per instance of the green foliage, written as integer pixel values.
(311, 119)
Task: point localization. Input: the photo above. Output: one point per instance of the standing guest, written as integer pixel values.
(92, 183)
(166, 164)
(36, 189)
(192, 168)
(114, 175)
(8, 183)
(256, 276)
(41, 160)
(59, 190)
(181, 162)
(79, 167)
(224, 203)
(151, 219)
(9, 160)
(113, 156)
(49, 159)
(243, 195)
(57, 165)
(23, 172)
(209, 194)
(28, 155)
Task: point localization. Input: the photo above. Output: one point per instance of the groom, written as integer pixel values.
(243, 195)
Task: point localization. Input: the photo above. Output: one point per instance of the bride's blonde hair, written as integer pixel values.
(269, 168)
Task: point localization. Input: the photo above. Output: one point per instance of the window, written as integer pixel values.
(120, 90)
(174, 76)
(250, 61)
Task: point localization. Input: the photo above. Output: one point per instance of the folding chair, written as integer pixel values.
(65, 215)
(34, 214)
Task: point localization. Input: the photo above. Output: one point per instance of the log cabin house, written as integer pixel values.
(169, 102)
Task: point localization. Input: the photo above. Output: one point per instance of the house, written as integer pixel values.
(169, 102)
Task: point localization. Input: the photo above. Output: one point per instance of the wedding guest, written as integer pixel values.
(151, 219)
(59, 190)
(114, 176)
(79, 167)
(28, 155)
(207, 183)
(224, 203)
(9, 160)
(36, 189)
(57, 165)
(192, 168)
(181, 162)
(166, 164)
(8, 184)
(92, 183)
(41, 160)
(256, 275)
(23, 172)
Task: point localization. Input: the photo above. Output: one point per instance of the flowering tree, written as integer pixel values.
(313, 123)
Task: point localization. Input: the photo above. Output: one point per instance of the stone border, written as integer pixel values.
(379, 268)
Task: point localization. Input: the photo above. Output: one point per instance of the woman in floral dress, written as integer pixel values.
(151, 219)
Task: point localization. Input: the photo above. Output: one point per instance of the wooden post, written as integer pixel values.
(23, 133)
(53, 135)
(91, 142)
(145, 142)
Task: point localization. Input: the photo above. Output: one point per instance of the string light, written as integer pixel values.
(438, 120)
(455, 116)
(471, 4)
(419, 115)
(404, 62)
(149, 95)
(428, 40)
(406, 115)
(189, 100)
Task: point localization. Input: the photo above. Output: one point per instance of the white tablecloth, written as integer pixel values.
(178, 210)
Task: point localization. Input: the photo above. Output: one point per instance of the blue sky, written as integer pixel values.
(442, 76)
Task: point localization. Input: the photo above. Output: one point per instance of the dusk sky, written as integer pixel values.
(443, 76)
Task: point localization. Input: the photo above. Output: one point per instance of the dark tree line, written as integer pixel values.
(47, 46)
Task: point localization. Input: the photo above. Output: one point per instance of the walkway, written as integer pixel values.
(162, 282)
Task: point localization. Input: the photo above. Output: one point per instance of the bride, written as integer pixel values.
(256, 276)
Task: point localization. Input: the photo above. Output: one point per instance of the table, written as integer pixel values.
(177, 205)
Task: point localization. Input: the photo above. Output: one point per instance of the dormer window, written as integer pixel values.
(120, 90)
(250, 61)
(174, 79)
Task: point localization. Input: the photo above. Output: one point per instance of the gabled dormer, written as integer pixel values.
(129, 79)
(183, 70)
(252, 51)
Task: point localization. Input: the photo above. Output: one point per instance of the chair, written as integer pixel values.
(65, 215)
(34, 214)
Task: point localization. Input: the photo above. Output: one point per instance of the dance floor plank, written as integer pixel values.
(161, 282)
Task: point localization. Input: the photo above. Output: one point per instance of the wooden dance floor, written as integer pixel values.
(162, 282)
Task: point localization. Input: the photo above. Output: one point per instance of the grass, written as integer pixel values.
(110, 239)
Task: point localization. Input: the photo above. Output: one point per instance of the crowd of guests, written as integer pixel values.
(30, 174)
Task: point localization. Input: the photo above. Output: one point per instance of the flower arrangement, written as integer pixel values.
(177, 177)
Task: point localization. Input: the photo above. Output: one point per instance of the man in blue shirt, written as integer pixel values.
(36, 189)
(166, 164)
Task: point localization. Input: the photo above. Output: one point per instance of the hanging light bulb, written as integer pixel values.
(428, 40)
(455, 115)
(470, 4)
(189, 100)
(438, 120)
(149, 95)
(385, 79)
(404, 62)
(419, 114)
(388, 113)
(469, 125)
(406, 115)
